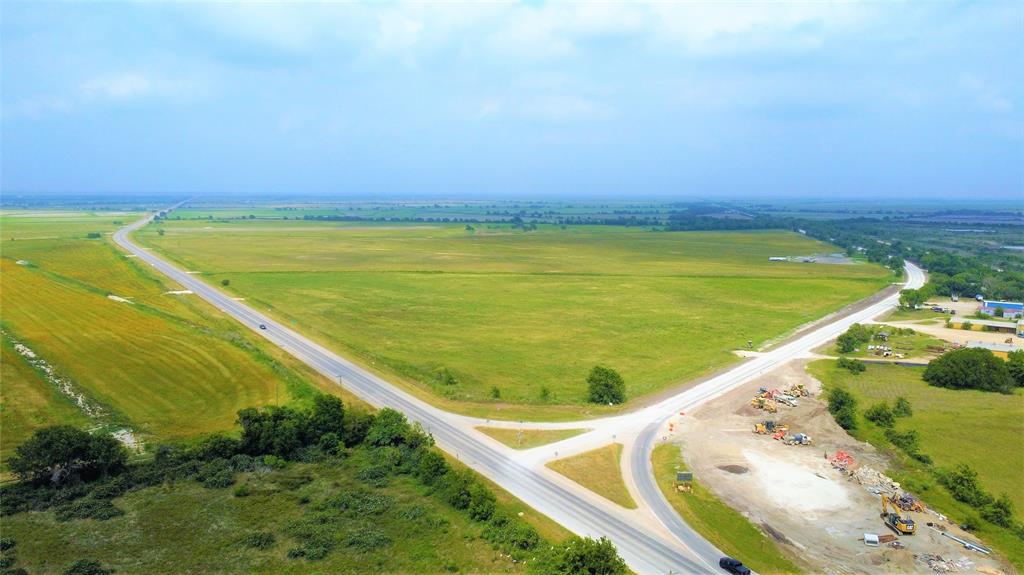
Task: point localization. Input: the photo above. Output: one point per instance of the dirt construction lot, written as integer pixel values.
(796, 496)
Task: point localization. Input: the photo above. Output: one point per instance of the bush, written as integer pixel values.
(87, 567)
(880, 415)
(587, 556)
(243, 490)
(87, 508)
(902, 407)
(216, 474)
(366, 539)
(907, 441)
(842, 405)
(999, 512)
(389, 427)
(852, 365)
(431, 467)
(6, 543)
(605, 385)
(969, 368)
(259, 540)
(962, 483)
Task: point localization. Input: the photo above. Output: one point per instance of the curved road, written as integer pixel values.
(651, 540)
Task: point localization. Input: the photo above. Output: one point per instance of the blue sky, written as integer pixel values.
(516, 100)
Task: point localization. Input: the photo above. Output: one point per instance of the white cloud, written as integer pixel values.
(987, 96)
(124, 86)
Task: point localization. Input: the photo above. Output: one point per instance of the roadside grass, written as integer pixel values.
(978, 428)
(598, 470)
(903, 314)
(723, 526)
(27, 402)
(184, 527)
(520, 318)
(528, 438)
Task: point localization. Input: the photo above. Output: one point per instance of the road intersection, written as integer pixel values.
(653, 538)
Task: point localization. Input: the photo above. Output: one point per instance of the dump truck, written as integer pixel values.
(895, 521)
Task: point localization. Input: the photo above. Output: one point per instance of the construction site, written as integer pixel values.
(771, 450)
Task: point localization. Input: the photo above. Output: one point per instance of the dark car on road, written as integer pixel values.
(263, 326)
(733, 566)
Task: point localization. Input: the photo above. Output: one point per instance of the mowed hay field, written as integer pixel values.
(164, 364)
(512, 313)
(27, 402)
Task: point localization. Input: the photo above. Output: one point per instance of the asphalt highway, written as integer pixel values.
(675, 549)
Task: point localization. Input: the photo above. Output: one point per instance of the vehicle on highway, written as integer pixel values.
(263, 326)
(734, 566)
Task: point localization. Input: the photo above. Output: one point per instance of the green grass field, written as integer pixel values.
(981, 429)
(717, 522)
(598, 470)
(167, 365)
(528, 438)
(512, 314)
(185, 528)
(910, 345)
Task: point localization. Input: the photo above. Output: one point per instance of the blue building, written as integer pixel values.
(1010, 309)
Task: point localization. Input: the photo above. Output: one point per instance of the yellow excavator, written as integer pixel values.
(896, 522)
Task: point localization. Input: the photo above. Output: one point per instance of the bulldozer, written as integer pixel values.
(769, 426)
(765, 404)
(892, 519)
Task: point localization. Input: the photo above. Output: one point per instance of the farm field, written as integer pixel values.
(519, 318)
(28, 402)
(161, 364)
(200, 530)
(946, 421)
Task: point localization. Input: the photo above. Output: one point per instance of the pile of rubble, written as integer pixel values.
(873, 480)
(939, 565)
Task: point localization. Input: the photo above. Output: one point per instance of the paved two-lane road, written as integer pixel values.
(677, 548)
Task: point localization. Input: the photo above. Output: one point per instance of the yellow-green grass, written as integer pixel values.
(27, 402)
(171, 366)
(598, 470)
(528, 438)
(723, 526)
(981, 429)
(186, 528)
(522, 312)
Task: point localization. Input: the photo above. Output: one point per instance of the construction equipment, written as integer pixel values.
(765, 404)
(798, 390)
(768, 426)
(798, 439)
(892, 519)
(907, 502)
(787, 399)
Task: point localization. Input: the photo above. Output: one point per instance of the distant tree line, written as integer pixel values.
(78, 474)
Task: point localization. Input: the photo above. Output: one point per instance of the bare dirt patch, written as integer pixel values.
(792, 492)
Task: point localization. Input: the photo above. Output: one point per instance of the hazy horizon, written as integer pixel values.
(519, 101)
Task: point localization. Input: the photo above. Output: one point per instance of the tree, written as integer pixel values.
(61, 453)
(276, 431)
(605, 386)
(911, 298)
(225, 282)
(389, 427)
(327, 416)
(902, 407)
(842, 405)
(1000, 511)
(852, 337)
(586, 556)
(880, 415)
(970, 368)
(1015, 365)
